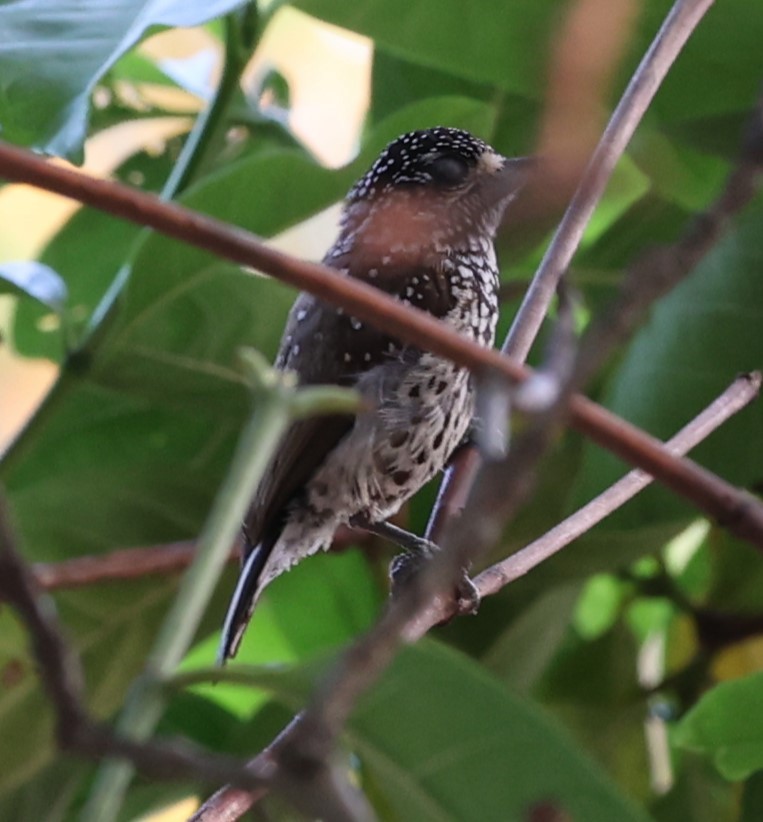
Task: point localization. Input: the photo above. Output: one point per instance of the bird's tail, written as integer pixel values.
(242, 603)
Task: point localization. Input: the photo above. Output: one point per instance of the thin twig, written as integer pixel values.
(667, 45)
(670, 40)
(134, 563)
(123, 564)
(739, 394)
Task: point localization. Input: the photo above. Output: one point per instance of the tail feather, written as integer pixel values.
(242, 604)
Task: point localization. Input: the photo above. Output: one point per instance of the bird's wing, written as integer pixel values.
(323, 346)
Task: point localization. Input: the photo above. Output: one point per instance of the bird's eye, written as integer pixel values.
(448, 170)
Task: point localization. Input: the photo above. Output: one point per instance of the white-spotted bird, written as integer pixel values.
(420, 225)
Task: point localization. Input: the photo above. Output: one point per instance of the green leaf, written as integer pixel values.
(592, 687)
(719, 70)
(339, 587)
(52, 53)
(47, 795)
(109, 471)
(698, 338)
(521, 653)
(699, 793)
(505, 44)
(441, 739)
(87, 252)
(35, 280)
(727, 725)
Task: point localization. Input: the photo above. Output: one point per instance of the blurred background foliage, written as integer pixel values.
(619, 680)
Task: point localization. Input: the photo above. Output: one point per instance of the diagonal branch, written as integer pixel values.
(741, 514)
(675, 31)
(737, 396)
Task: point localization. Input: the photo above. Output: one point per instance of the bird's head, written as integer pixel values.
(439, 190)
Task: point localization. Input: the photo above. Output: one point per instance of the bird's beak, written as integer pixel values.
(504, 183)
(516, 171)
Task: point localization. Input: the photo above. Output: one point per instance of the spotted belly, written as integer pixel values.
(399, 446)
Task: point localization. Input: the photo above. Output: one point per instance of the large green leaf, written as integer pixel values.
(699, 793)
(87, 252)
(284, 629)
(727, 725)
(110, 471)
(697, 339)
(505, 44)
(52, 53)
(720, 68)
(439, 738)
(521, 653)
(592, 687)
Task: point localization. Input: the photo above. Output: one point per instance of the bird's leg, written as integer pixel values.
(418, 550)
(405, 539)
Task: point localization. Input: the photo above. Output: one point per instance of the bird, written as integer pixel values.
(420, 225)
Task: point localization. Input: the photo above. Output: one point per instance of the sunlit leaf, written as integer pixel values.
(727, 725)
(52, 53)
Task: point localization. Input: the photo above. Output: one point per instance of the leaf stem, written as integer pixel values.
(145, 702)
(206, 130)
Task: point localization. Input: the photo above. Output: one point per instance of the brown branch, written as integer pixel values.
(125, 563)
(226, 805)
(134, 563)
(718, 499)
(737, 396)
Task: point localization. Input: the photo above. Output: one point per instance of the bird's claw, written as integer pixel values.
(404, 568)
(467, 596)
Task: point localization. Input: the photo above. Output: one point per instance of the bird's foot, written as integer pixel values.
(418, 551)
(404, 568)
(467, 595)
